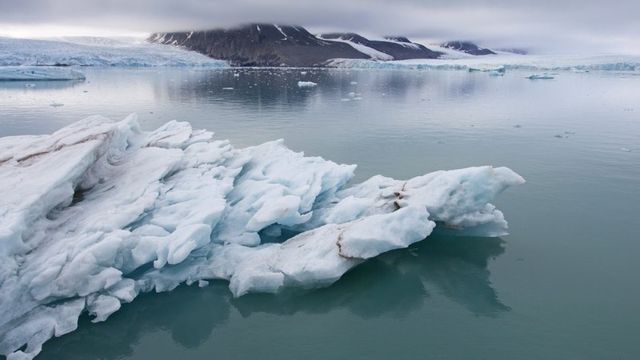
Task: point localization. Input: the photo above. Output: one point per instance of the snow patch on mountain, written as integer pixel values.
(371, 52)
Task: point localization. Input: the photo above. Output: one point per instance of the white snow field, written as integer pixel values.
(502, 60)
(34, 73)
(100, 211)
(98, 52)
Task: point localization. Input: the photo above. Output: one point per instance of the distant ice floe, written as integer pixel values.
(540, 77)
(492, 70)
(306, 84)
(504, 61)
(100, 211)
(35, 73)
(98, 52)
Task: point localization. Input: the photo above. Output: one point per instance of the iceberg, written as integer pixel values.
(34, 73)
(101, 211)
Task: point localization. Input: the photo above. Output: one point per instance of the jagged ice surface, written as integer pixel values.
(100, 211)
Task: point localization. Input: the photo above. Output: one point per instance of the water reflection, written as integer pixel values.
(267, 88)
(188, 314)
(395, 285)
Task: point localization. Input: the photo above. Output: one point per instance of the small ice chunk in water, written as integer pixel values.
(306, 84)
(540, 77)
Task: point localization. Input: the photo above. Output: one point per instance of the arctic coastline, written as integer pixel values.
(19, 56)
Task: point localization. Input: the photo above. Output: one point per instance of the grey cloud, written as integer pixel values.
(544, 24)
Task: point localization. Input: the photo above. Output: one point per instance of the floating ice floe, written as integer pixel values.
(100, 211)
(38, 73)
(305, 84)
(540, 77)
(500, 71)
(489, 69)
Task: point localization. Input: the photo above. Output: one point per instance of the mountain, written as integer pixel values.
(282, 45)
(467, 47)
(261, 45)
(394, 47)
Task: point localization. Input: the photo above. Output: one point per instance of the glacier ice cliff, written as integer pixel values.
(621, 63)
(99, 52)
(100, 211)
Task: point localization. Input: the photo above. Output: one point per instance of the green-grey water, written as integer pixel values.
(563, 285)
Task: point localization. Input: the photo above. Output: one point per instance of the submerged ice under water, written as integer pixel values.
(100, 211)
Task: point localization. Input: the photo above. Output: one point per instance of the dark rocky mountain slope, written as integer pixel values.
(261, 45)
(280, 45)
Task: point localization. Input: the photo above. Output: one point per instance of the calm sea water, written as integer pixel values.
(563, 285)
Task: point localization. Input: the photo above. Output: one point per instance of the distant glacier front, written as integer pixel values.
(502, 61)
(100, 211)
(89, 51)
(127, 53)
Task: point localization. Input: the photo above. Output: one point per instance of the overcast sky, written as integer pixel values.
(546, 25)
